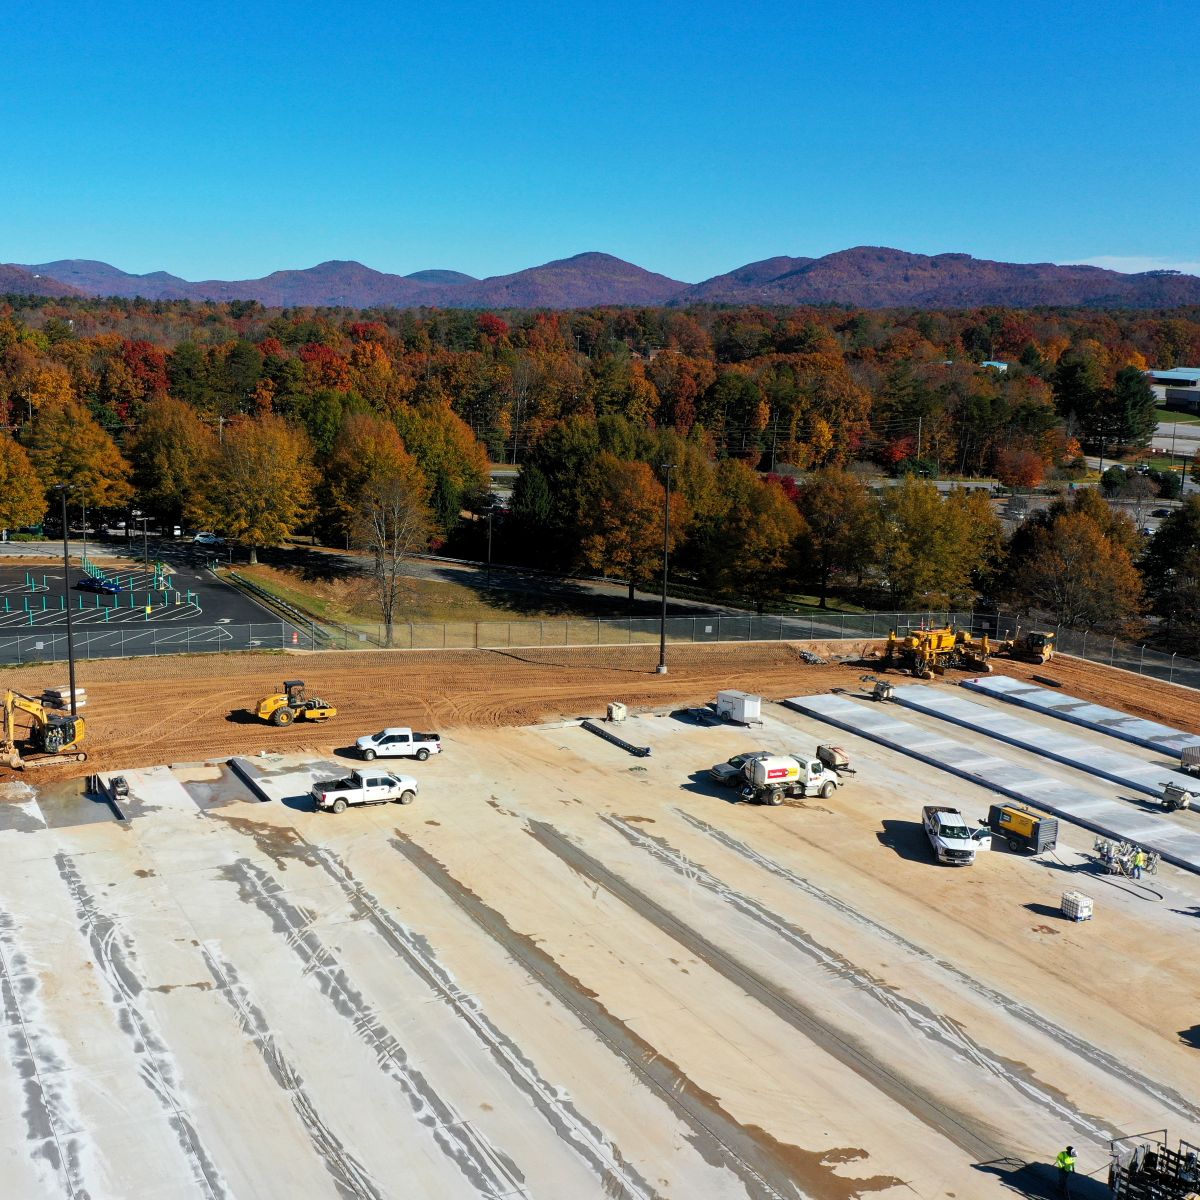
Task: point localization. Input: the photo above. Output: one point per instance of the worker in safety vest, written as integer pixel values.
(1065, 1162)
(1139, 861)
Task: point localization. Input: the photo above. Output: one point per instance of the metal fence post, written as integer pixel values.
(1171, 676)
(1112, 653)
(1142, 662)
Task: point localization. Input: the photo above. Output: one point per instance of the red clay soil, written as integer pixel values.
(145, 711)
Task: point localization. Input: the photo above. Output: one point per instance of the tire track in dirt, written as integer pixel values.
(767, 1168)
(958, 1128)
(113, 953)
(491, 1172)
(1024, 1015)
(621, 1181)
(932, 1026)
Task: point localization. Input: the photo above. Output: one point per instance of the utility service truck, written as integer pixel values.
(951, 837)
(363, 787)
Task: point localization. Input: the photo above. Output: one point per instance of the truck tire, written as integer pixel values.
(282, 716)
(775, 798)
(369, 755)
(827, 790)
(339, 806)
(422, 754)
(407, 796)
(1014, 844)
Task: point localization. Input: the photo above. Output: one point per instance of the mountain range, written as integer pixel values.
(863, 277)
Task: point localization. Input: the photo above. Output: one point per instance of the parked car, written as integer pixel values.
(1160, 512)
(205, 538)
(104, 587)
(399, 742)
(730, 773)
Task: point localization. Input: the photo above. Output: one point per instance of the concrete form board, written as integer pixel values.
(1069, 801)
(1120, 768)
(1112, 721)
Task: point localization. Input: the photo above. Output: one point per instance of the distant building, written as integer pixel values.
(1176, 387)
(995, 365)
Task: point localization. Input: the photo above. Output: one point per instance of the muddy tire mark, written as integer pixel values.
(1021, 1013)
(768, 1169)
(113, 953)
(965, 1133)
(620, 1179)
(35, 1062)
(492, 1173)
(928, 1024)
(350, 1177)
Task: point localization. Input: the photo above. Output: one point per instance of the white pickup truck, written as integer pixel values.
(400, 742)
(363, 787)
(952, 839)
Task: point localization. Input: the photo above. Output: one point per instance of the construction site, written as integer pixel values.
(577, 958)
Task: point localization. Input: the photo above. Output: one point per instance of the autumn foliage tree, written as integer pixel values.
(67, 446)
(263, 482)
(173, 455)
(839, 526)
(621, 521)
(22, 497)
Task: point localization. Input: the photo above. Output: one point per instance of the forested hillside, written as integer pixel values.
(262, 423)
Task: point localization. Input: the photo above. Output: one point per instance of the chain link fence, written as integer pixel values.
(50, 645)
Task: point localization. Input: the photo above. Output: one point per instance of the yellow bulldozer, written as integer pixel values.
(54, 737)
(282, 708)
(928, 652)
(1031, 646)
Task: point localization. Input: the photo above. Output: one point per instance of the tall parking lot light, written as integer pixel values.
(62, 490)
(661, 669)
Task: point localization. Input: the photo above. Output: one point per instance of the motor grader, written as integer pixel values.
(291, 704)
(928, 652)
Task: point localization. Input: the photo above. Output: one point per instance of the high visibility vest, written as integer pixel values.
(1065, 1161)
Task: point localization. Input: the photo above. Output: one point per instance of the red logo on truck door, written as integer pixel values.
(778, 773)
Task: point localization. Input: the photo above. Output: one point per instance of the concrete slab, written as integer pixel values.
(1112, 721)
(1114, 765)
(1071, 802)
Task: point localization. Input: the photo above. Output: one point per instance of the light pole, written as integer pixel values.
(489, 569)
(145, 541)
(62, 490)
(661, 669)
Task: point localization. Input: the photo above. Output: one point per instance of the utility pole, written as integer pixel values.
(145, 540)
(661, 669)
(489, 567)
(63, 489)
(920, 424)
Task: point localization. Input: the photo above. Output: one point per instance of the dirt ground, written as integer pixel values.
(184, 708)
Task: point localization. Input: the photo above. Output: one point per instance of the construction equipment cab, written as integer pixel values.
(1022, 828)
(282, 708)
(55, 735)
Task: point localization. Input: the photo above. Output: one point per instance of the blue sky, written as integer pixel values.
(229, 140)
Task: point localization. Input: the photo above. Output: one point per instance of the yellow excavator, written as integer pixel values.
(55, 737)
(282, 708)
(928, 652)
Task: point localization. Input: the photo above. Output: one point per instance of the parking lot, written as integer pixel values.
(186, 607)
(565, 971)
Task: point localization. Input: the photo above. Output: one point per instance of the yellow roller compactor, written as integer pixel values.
(282, 708)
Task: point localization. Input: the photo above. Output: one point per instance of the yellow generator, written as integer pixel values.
(928, 652)
(1023, 828)
(282, 708)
